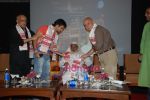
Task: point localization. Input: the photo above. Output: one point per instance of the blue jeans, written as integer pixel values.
(42, 66)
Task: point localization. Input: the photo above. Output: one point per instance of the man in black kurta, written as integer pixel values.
(20, 62)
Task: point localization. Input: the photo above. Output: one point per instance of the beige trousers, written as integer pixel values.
(109, 62)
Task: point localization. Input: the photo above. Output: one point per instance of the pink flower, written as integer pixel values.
(31, 74)
(103, 76)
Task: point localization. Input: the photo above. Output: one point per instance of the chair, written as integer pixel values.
(132, 67)
(54, 68)
(4, 63)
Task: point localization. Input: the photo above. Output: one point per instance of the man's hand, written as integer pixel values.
(66, 54)
(140, 58)
(37, 55)
(83, 57)
(84, 65)
(90, 52)
(53, 47)
(34, 37)
(30, 39)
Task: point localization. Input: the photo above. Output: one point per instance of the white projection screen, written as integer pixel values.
(115, 15)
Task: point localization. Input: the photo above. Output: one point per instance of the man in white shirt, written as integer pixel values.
(71, 64)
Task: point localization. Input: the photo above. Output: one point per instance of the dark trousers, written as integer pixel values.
(20, 63)
(148, 94)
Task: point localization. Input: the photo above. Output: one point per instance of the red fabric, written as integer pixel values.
(43, 29)
(138, 96)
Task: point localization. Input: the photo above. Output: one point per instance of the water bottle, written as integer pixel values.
(73, 83)
(102, 70)
(7, 77)
(86, 80)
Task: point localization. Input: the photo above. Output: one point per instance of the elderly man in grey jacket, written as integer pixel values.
(103, 45)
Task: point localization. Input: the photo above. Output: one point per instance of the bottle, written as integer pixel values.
(7, 77)
(86, 80)
(102, 70)
(73, 83)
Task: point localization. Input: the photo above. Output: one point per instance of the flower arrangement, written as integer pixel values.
(102, 75)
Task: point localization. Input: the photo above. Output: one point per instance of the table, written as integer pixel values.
(113, 92)
(48, 90)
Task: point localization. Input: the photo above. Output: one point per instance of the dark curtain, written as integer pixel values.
(138, 21)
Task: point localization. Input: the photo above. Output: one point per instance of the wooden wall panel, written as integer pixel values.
(4, 62)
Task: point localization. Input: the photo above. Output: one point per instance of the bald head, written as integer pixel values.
(147, 14)
(21, 21)
(88, 23)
